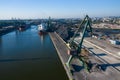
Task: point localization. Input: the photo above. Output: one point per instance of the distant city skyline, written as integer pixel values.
(35, 9)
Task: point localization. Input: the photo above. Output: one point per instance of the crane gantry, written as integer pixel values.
(76, 49)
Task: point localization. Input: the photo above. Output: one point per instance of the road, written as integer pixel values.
(113, 49)
(107, 58)
(102, 53)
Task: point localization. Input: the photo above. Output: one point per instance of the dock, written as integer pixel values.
(77, 72)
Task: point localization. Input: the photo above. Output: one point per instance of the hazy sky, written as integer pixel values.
(58, 8)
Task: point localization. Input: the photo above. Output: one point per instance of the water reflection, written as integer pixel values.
(42, 37)
(0, 45)
(0, 40)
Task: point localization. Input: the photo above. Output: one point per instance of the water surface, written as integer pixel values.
(27, 55)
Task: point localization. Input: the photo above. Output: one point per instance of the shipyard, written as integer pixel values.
(55, 43)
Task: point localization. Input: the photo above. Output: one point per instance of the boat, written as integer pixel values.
(23, 27)
(42, 28)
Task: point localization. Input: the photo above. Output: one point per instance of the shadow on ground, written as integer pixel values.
(105, 66)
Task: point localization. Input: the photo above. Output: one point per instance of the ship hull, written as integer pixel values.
(42, 32)
(42, 28)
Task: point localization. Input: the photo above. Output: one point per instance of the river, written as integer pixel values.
(27, 55)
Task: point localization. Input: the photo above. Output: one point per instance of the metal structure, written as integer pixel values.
(75, 49)
(49, 24)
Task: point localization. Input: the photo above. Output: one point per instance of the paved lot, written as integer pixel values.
(109, 63)
(114, 49)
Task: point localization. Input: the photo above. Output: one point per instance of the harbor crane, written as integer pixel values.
(75, 50)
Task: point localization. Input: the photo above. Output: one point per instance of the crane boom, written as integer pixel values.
(75, 49)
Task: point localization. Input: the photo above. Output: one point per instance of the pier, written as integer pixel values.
(77, 72)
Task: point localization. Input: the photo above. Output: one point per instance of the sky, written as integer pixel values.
(58, 8)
